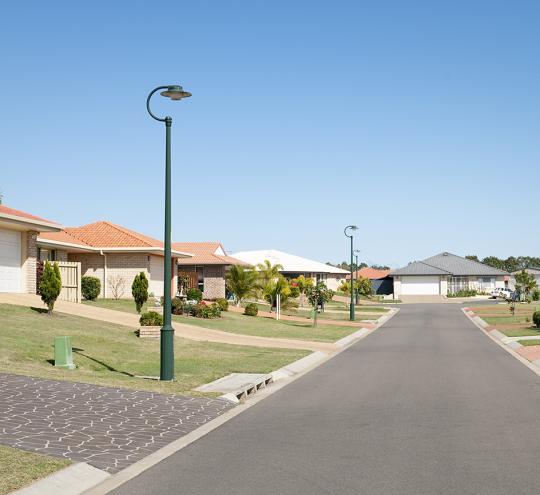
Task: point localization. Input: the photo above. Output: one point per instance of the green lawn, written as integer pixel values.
(126, 305)
(19, 468)
(520, 332)
(502, 320)
(108, 354)
(268, 327)
(343, 314)
(529, 342)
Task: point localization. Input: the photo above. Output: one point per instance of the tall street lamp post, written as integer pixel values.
(356, 251)
(166, 372)
(351, 308)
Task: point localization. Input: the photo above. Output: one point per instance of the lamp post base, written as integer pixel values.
(166, 372)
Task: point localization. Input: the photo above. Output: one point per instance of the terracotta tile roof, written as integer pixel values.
(23, 215)
(107, 234)
(103, 235)
(205, 253)
(371, 273)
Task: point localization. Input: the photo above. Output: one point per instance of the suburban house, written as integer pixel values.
(112, 253)
(207, 267)
(381, 281)
(294, 266)
(18, 248)
(446, 273)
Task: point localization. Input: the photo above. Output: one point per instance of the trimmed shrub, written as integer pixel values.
(50, 285)
(251, 310)
(463, 293)
(177, 306)
(202, 310)
(139, 290)
(223, 304)
(194, 294)
(90, 288)
(535, 295)
(536, 318)
(151, 319)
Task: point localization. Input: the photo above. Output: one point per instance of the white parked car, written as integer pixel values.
(502, 293)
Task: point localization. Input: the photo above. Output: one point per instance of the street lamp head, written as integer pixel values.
(175, 93)
(351, 227)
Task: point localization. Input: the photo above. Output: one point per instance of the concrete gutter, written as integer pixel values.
(72, 480)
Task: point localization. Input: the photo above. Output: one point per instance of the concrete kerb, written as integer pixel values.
(71, 480)
(498, 337)
(281, 378)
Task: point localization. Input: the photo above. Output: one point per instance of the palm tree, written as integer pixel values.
(241, 282)
(268, 274)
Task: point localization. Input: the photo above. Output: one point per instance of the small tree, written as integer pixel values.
(139, 290)
(363, 286)
(317, 296)
(525, 284)
(116, 284)
(50, 285)
(241, 282)
(303, 284)
(279, 286)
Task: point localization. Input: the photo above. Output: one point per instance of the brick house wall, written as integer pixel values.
(123, 265)
(214, 279)
(30, 261)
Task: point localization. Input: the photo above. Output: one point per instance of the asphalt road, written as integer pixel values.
(426, 405)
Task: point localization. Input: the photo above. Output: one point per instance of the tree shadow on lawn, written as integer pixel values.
(108, 367)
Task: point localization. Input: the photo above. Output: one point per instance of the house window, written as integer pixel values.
(455, 284)
(46, 254)
(200, 277)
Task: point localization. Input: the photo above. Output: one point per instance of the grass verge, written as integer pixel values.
(268, 327)
(112, 355)
(19, 468)
(529, 342)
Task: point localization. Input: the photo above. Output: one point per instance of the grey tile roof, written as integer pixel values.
(419, 268)
(448, 264)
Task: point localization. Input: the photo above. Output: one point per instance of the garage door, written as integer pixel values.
(10, 261)
(420, 286)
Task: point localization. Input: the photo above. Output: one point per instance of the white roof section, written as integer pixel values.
(290, 262)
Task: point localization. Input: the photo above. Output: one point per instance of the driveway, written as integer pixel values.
(427, 405)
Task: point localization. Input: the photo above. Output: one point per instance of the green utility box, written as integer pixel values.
(63, 353)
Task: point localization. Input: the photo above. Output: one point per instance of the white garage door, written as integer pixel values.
(420, 285)
(10, 261)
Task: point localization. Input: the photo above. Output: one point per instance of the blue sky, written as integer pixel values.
(419, 121)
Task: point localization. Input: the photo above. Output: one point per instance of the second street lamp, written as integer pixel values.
(166, 371)
(351, 308)
(357, 290)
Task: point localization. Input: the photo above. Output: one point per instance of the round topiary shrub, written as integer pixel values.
(151, 319)
(90, 288)
(536, 318)
(177, 306)
(223, 304)
(251, 310)
(194, 294)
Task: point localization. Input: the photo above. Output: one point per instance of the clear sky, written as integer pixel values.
(419, 121)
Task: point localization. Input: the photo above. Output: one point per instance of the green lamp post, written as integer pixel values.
(166, 372)
(357, 290)
(351, 308)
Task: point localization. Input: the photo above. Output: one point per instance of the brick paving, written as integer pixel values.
(106, 427)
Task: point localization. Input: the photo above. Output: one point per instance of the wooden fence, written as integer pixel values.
(70, 272)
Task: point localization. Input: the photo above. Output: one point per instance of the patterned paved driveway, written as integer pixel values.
(105, 427)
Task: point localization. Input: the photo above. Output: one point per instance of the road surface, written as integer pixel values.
(425, 405)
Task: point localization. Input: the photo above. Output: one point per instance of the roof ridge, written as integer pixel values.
(127, 231)
(433, 266)
(446, 253)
